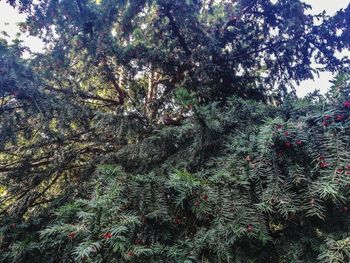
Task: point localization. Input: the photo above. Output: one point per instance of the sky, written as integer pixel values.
(10, 16)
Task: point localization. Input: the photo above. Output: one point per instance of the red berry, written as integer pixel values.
(107, 235)
(286, 133)
(324, 165)
(205, 197)
(197, 204)
(72, 235)
(347, 167)
(327, 117)
(325, 123)
(248, 158)
(138, 241)
(298, 142)
(340, 117)
(339, 171)
(344, 209)
(346, 104)
(279, 126)
(287, 144)
(250, 228)
(130, 253)
(178, 221)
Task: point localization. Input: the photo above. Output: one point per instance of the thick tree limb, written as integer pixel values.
(176, 30)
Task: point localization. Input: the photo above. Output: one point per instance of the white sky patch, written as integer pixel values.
(9, 15)
(9, 18)
(321, 83)
(330, 6)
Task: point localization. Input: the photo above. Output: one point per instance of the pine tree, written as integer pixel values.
(164, 131)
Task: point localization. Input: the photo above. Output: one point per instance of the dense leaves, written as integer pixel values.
(265, 196)
(169, 131)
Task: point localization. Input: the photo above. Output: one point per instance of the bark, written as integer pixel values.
(152, 90)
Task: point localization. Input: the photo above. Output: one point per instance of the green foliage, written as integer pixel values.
(163, 131)
(275, 190)
(184, 97)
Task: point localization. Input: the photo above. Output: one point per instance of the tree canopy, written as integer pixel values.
(169, 131)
